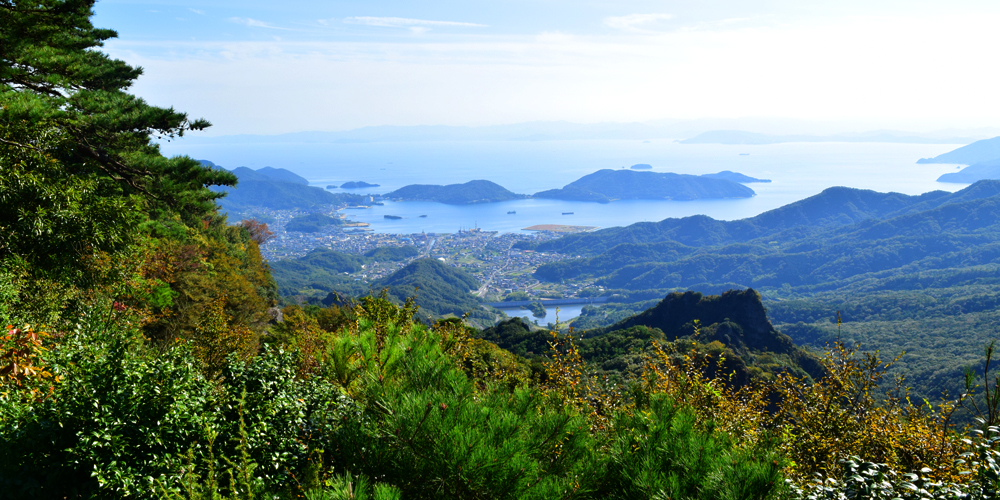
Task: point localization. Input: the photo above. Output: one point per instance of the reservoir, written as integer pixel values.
(566, 313)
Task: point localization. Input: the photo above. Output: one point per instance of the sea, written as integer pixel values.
(796, 171)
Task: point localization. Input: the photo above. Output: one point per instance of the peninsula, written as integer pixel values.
(608, 185)
(357, 185)
(471, 192)
(735, 177)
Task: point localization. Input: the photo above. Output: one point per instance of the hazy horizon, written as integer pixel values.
(261, 68)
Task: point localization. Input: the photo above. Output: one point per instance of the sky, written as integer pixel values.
(271, 67)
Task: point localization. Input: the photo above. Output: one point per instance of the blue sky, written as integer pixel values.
(285, 66)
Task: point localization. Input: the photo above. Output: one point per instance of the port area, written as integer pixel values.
(560, 228)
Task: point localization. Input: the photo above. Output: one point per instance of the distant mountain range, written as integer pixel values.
(753, 138)
(608, 185)
(698, 131)
(823, 242)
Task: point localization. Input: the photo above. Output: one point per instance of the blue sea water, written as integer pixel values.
(798, 170)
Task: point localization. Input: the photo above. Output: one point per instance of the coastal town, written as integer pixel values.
(489, 256)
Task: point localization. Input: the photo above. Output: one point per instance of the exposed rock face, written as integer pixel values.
(737, 319)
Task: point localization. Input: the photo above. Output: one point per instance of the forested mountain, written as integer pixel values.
(439, 289)
(276, 188)
(769, 251)
(455, 194)
(734, 322)
(837, 206)
(925, 264)
(977, 152)
(608, 185)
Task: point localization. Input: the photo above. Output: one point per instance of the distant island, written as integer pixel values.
(754, 138)
(641, 166)
(973, 173)
(471, 192)
(357, 185)
(977, 152)
(735, 177)
(609, 185)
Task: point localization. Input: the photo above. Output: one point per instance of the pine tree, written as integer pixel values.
(78, 168)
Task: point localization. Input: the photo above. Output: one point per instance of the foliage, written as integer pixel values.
(537, 309)
(392, 254)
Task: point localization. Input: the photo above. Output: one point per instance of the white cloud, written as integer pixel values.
(856, 68)
(196, 11)
(253, 23)
(402, 22)
(636, 22)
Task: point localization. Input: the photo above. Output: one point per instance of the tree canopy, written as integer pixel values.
(78, 162)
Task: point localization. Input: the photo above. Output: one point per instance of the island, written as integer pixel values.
(641, 166)
(973, 173)
(735, 177)
(977, 152)
(479, 191)
(357, 185)
(608, 185)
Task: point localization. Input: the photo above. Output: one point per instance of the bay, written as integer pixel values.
(797, 170)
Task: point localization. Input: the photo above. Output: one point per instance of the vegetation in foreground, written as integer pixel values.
(142, 355)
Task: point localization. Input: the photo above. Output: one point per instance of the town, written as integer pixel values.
(488, 256)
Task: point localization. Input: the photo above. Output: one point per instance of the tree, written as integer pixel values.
(78, 168)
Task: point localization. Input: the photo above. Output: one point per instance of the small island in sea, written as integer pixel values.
(608, 185)
(479, 191)
(641, 166)
(357, 185)
(735, 177)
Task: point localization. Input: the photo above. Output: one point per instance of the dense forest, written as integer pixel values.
(144, 354)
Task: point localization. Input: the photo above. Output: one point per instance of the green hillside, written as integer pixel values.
(439, 289)
(836, 206)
